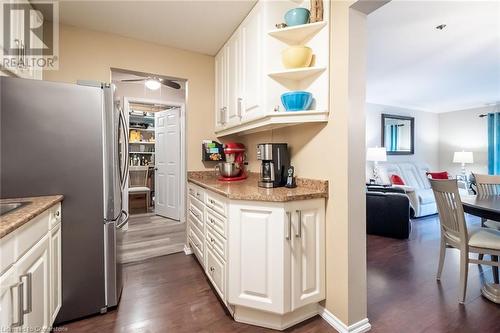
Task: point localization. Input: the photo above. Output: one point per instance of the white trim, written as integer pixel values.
(187, 250)
(183, 157)
(359, 327)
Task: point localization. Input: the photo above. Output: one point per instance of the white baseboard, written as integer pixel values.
(359, 327)
(187, 250)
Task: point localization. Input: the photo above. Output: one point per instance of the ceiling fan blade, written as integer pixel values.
(133, 80)
(171, 84)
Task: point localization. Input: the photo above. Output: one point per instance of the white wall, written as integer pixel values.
(426, 133)
(464, 130)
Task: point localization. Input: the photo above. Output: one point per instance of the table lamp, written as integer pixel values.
(376, 155)
(463, 157)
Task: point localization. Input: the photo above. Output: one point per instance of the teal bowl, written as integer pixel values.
(297, 16)
(296, 100)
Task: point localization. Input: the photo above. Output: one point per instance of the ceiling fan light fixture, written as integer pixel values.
(152, 84)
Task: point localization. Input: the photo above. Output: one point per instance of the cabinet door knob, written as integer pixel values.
(212, 269)
(58, 213)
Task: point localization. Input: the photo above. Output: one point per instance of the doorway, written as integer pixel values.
(153, 194)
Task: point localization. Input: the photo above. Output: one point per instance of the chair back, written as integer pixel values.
(487, 184)
(138, 176)
(451, 212)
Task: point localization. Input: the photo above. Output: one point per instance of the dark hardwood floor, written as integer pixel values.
(404, 296)
(171, 294)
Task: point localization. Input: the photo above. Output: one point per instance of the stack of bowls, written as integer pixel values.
(298, 56)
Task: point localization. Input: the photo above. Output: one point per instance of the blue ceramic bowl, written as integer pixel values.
(297, 16)
(296, 100)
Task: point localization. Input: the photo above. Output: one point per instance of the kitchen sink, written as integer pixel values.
(9, 207)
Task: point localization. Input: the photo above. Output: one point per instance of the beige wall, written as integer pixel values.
(426, 133)
(464, 130)
(336, 152)
(89, 55)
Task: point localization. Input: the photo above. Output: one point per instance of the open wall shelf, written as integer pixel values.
(298, 34)
(297, 74)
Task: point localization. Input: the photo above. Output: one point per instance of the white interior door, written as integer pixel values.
(167, 163)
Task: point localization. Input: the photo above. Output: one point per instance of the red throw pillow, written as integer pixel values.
(396, 180)
(438, 175)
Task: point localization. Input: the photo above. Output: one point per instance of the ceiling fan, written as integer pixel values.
(155, 83)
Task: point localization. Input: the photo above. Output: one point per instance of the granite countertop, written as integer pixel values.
(20, 216)
(249, 190)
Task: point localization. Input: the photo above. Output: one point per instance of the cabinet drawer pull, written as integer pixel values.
(20, 305)
(212, 240)
(289, 226)
(212, 269)
(58, 213)
(29, 293)
(299, 228)
(211, 201)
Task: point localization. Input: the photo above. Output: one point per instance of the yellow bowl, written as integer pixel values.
(296, 57)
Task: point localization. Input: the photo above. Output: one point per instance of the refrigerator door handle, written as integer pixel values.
(124, 168)
(124, 221)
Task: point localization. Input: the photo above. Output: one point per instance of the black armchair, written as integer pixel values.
(388, 214)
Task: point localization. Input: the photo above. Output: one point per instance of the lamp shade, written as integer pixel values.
(376, 154)
(463, 157)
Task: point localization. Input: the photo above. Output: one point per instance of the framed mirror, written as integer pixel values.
(398, 134)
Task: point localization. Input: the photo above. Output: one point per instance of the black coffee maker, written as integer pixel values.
(275, 163)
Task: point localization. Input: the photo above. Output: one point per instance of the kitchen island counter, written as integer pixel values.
(249, 190)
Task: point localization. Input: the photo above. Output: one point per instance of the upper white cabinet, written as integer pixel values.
(250, 76)
(22, 61)
(250, 67)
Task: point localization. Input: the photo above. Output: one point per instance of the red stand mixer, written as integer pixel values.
(234, 167)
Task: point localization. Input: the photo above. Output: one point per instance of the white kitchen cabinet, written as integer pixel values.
(55, 272)
(250, 69)
(276, 260)
(21, 63)
(259, 78)
(34, 270)
(10, 303)
(258, 259)
(233, 112)
(30, 288)
(220, 89)
(308, 252)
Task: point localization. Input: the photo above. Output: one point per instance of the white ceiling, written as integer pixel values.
(199, 26)
(414, 65)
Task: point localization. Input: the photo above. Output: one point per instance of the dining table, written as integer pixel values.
(486, 207)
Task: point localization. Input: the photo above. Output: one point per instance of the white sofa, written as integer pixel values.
(417, 185)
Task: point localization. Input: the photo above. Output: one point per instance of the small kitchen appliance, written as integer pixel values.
(275, 163)
(234, 167)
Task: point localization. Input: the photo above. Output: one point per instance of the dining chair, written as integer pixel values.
(488, 185)
(454, 233)
(138, 180)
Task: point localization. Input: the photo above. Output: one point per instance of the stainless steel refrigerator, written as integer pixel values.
(70, 139)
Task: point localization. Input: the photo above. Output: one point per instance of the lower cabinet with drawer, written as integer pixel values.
(30, 287)
(265, 260)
